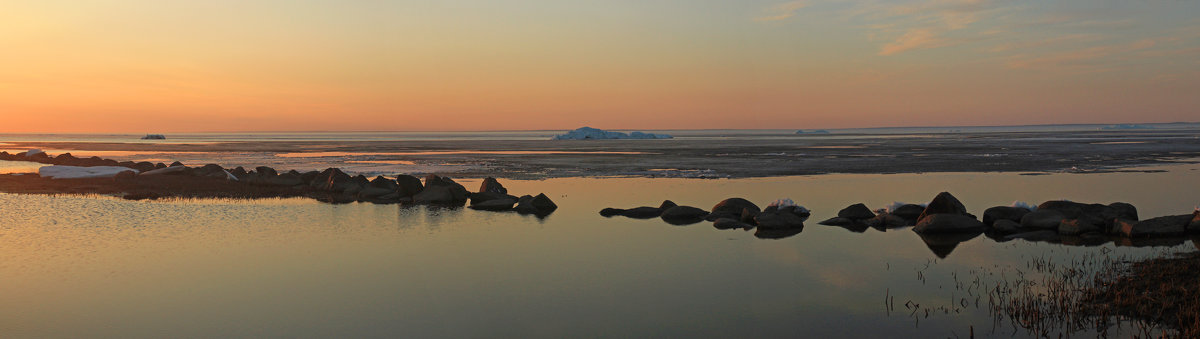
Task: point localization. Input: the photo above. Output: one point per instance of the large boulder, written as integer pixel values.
(857, 211)
(1003, 213)
(539, 205)
(948, 223)
(1043, 219)
(286, 179)
(331, 179)
(1079, 226)
(782, 217)
(438, 195)
(1006, 226)
(409, 185)
(459, 193)
(943, 203)
(490, 185)
(732, 208)
(1119, 210)
(1173, 225)
(503, 204)
(683, 215)
(886, 220)
(910, 212)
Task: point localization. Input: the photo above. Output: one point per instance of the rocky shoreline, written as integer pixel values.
(945, 222)
(145, 180)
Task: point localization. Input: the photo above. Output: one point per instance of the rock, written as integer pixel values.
(503, 204)
(372, 192)
(176, 164)
(458, 192)
(1042, 219)
(886, 220)
(911, 212)
(144, 166)
(1006, 226)
(943, 203)
(174, 170)
(384, 183)
(1119, 210)
(286, 179)
(77, 172)
(643, 212)
(491, 185)
(1173, 225)
(779, 219)
(666, 204)
(485, 196)
(683, 214)
(265, 172)
(331, 179)
(1194, 225)
(732, 208)
(857, 211)
(607, 212)
(727, 223)
(306, 177)
(409, 185)
(747, 216)
(437, 195)
(1078, 226)
(837, 221)
(948, 223)
(125, 176)
(1003, 213)
(538, 205)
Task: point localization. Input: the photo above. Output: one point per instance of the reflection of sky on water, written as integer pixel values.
(80, 266)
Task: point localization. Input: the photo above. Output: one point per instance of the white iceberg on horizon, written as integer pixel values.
(588, 133)
(77, 172)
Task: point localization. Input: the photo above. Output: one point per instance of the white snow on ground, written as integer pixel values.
(588, 133)
(76, 172)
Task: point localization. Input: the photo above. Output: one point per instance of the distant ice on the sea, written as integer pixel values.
(1024, 205)
(588, 133)
(1125, 126)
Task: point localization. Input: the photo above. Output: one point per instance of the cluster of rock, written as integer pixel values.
(331, 185)
(66, 159)
(780, 219)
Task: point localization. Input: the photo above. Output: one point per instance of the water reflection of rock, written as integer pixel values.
(776, 233)
(943, 243)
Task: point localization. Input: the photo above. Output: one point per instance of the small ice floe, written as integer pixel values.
(1025, 205)
(33, 152)
(1118, 127)
(154, 137)
(588, 133)
(76, 172)
(785, 202)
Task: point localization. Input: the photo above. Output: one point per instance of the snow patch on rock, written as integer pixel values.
(76, 172)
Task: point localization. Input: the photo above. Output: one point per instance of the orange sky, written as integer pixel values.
(140, 66)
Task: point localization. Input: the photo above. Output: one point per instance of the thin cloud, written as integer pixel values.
(1087, 59)
(916, 38)
(782, 11)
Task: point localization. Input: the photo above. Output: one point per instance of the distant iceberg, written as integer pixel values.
(154, 137)
(587, 133)
(1125, 126)
(816, 131)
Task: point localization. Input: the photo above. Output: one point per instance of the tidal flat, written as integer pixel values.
(100, 266)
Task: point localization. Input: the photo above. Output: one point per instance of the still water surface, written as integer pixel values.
(101, 267)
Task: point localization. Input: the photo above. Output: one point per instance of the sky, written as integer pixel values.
(150, 66)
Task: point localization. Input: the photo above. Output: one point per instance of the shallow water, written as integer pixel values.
(102, 267)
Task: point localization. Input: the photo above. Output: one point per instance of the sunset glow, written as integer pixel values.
(138, 66)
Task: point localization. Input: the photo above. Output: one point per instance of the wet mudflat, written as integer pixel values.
(702, 154)
(101, 266)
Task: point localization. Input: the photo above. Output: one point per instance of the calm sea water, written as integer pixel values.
(102, 267)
